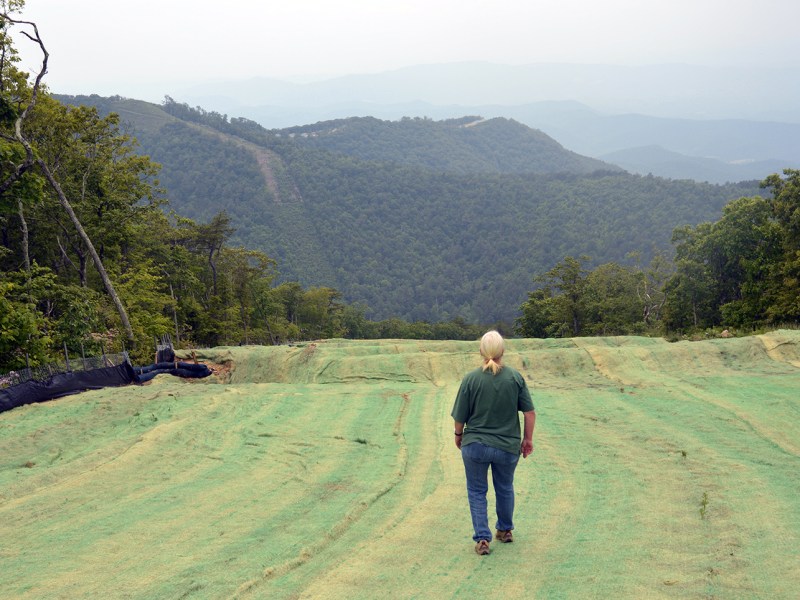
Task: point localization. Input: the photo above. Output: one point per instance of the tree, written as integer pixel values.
(650, 286)
(19, 328)
(211, 238)
(751, 242)
(725, 271)
(320, 313)
(538, 314)
(689, 295)
(569, 278)
(613, 306)
(558, 308)
(15, 90)
(249, 271)
(785, 205)
(21, 168)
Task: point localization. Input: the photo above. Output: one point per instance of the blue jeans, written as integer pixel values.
(477, 458)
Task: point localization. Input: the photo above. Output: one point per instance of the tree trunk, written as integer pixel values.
(25, 253)
(243, 314)
(269, 331)
(25, 250)
(175, 314)
(213, 269)
(80, 269)
(123, 315)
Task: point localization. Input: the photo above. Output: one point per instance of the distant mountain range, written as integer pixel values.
(415, 218)
(727, 124)
(657, 160)
(670, 91)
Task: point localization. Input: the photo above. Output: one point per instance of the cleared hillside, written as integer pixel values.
(328, 471)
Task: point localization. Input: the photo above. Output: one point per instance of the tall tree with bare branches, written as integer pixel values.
(16, 171)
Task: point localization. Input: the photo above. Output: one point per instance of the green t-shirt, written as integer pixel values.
(489, 406)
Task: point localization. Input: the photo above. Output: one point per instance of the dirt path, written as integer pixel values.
(268, 164)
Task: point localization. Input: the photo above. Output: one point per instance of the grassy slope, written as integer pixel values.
(660, 471)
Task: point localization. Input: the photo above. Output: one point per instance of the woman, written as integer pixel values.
(487, 432)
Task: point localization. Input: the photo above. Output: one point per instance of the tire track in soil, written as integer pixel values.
(315, 552)
(174, 528)
(601, 359)
(722, 545)
(398, 520)
(133, 451)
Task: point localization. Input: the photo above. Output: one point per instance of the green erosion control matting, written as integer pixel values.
(328, 471)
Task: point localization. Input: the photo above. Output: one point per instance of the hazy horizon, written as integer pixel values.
(174, 45)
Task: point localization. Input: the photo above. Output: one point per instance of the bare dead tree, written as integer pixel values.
(20, 169)
(31, 159)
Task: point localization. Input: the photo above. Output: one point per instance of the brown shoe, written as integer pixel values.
(504, 536)
(482, 547)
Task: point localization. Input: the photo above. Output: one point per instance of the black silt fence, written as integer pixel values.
(68, 365)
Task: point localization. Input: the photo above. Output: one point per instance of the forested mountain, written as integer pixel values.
(712, 150)
(466, 145)
(408, 238)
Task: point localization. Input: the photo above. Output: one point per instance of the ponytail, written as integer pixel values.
(492, 348)
(494, 365)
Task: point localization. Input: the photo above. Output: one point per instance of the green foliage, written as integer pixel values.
(613, 305)
(203, 173)
(738, 272)
(690, 301)
(733, 272)
(424, 246)
(19, 331)
(147, 301)
(573, 301)
(785, 305)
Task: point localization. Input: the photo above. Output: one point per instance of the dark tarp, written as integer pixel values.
(65, 384)
(179, 369)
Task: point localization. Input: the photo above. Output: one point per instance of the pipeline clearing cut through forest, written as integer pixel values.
(329, 471)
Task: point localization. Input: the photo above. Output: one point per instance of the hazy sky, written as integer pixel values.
(147, 48)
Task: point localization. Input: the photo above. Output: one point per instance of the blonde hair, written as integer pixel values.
(492, 348)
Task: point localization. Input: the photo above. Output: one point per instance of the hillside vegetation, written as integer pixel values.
(328, 471)
(466, 146)
(442, 221)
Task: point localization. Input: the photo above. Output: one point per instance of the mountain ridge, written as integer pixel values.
(404, 240)
(699, 112)
(646, 159)
(496, 145)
